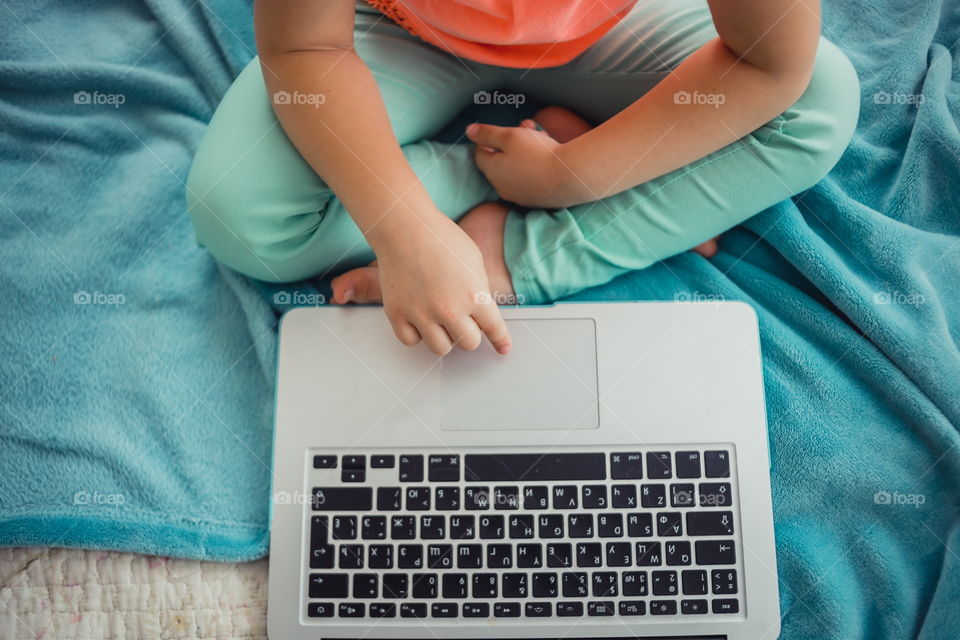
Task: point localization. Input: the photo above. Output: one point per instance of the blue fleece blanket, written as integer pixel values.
(136, 376)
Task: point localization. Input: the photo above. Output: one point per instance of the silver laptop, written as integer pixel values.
(608, 478)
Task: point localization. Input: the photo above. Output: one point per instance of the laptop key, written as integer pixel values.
(653, 496)
(550, 525)
(659, 465)
(521, 526)
(418, 498)
(506, 498)
(499, 556)
(529, 556)
(594, 496)
(353, 475)
(454, 585)
(344, 528)
(569, 609)
(633, 607)
(382, 462)
(538, 609)
(514, 585)
(639, 525)
(506, 609)
(491, 527)
(589, 554)
(342, 499)
(443, 610)
(411, 468)
(484, 585)
(403, 527)
(432, 527)
(365, 585)
(535, 498)
(395, 585)
(476, 610)
(440, 556)
(604, 584)
(580, 525)
(575, 584)
(389, 499)
(425, 585)
(619, 554)
(383, 610)
(447, 498)
(724, 581)
(324, 462)
(694, 582)
(544, 585)
(373, 528)
(320, 609)
(710, 523)
(322, 557)
(626, 466)
(600, 608)
(443, 468)
(664, 583)
(380, 556)
(470, 556)
(670, 524)
(634, 583)
(693, 607)
(463, 528)
(682, 495)
(727, 605)
(610, 525)
(328, 585)
(410, 556)
(351, 609)
(565, 497)
(624, 496)
(688, 464)
(355, 462)
(677, 553)
(413, 610)
(351, 556)
(559, 555)
(663, 607)
(535, 467)
(715, 494)
(477, 498)
(716, 464)
(648, 554)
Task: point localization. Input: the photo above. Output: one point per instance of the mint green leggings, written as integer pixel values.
(259, 208)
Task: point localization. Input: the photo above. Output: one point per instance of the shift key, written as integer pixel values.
(342, 498)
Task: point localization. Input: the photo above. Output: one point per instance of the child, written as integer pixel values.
(319, 158)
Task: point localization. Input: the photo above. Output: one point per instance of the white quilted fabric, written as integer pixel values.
(102, 595)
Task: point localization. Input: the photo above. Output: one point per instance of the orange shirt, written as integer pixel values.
(508, 33)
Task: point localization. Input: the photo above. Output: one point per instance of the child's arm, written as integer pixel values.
(431, 272)
(756, 69)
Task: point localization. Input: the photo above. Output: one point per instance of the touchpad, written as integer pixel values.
(547, 381)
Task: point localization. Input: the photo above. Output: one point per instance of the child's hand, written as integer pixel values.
(434, 287)
(522, 165)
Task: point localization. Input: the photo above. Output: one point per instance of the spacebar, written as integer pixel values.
(535, 466)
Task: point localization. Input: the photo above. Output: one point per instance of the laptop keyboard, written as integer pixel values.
(560, 533)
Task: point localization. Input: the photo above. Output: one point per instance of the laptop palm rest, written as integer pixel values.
(547, 381)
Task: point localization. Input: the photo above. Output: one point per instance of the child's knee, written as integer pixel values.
(818, 127)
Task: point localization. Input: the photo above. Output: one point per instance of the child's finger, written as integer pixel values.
(491, 322)
(488, 135)
(406, 332)
(465, 333)
(436, 338)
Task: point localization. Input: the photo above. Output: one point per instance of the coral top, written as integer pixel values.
(508, 33)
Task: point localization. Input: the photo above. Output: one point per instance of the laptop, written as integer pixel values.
(609, 478)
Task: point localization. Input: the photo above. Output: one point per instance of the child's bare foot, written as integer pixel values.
(484, 225)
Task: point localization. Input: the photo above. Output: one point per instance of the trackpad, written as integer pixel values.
(547, 381)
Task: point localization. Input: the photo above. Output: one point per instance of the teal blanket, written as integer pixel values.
(136, 376)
